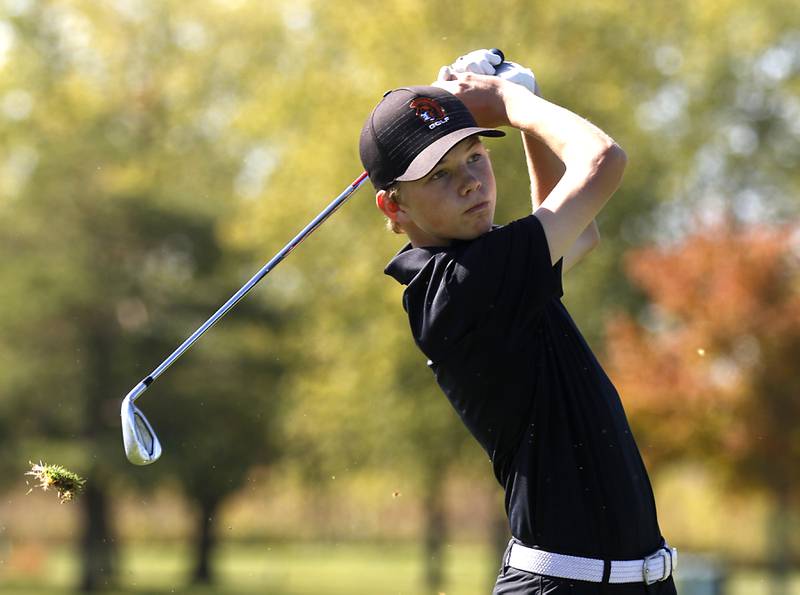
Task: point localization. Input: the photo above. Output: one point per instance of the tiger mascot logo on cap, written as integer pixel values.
(429, 111)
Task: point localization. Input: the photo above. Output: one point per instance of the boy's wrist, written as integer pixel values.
(518, 102)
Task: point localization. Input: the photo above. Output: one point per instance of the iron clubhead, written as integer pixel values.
(141, 443)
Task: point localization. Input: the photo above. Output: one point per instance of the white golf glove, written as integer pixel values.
(487, 62)
(517, 73)
(477, 62)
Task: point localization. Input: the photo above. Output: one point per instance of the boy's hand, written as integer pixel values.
(483, 95)
(490, 63)
(477, 62)
(517, 73)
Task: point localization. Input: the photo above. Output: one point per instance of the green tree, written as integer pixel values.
(181, 106)
(115, 183)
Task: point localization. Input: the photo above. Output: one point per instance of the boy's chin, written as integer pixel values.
(473, 235)
(480, 230)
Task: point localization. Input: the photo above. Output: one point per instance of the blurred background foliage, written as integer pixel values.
(153, 155)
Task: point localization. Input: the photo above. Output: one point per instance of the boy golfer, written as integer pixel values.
(484, 306)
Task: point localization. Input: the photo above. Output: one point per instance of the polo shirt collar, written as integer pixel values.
(407, 263)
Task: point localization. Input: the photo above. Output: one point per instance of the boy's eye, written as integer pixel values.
(438, 175)
(475, 157)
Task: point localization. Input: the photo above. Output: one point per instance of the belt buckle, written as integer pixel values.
(663, 553)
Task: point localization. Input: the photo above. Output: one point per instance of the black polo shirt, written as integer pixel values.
(505, 351)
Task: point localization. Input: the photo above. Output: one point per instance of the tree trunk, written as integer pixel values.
(779, 538)
(98, 548)
(205, 544)
(435, 530)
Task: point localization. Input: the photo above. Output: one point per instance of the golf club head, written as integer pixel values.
(141, 443)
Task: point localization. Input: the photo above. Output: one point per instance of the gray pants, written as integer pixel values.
(512, 581)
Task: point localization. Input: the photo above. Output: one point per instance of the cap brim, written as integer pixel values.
(433, 153)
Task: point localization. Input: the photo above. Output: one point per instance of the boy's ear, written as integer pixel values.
(386, 205)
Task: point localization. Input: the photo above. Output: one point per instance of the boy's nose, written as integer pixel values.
(469, 182)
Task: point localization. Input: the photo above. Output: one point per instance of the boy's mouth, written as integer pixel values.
(478, 207)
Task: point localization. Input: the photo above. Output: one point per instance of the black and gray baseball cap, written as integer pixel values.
(410, 130)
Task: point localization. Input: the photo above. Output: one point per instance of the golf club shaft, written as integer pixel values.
(227, 306)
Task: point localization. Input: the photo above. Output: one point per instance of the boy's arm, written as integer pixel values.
(593, 162)
(545, 170)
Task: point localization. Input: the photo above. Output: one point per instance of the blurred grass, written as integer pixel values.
(34, 558)
(295, 569)
(286, 569)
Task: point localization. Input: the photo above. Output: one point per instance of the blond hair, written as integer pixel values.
(393, 194)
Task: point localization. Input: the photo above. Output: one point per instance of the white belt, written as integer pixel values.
(659, 566)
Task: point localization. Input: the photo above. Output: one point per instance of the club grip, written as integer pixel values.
(500, 53)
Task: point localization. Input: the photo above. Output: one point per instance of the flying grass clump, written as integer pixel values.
(65, 482)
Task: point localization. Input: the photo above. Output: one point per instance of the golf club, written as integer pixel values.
(142, 446)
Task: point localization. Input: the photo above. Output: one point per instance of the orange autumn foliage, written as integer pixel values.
(711, 369)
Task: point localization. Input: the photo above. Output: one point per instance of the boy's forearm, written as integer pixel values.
(571, 139)
(544, 168)
(586, 242)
